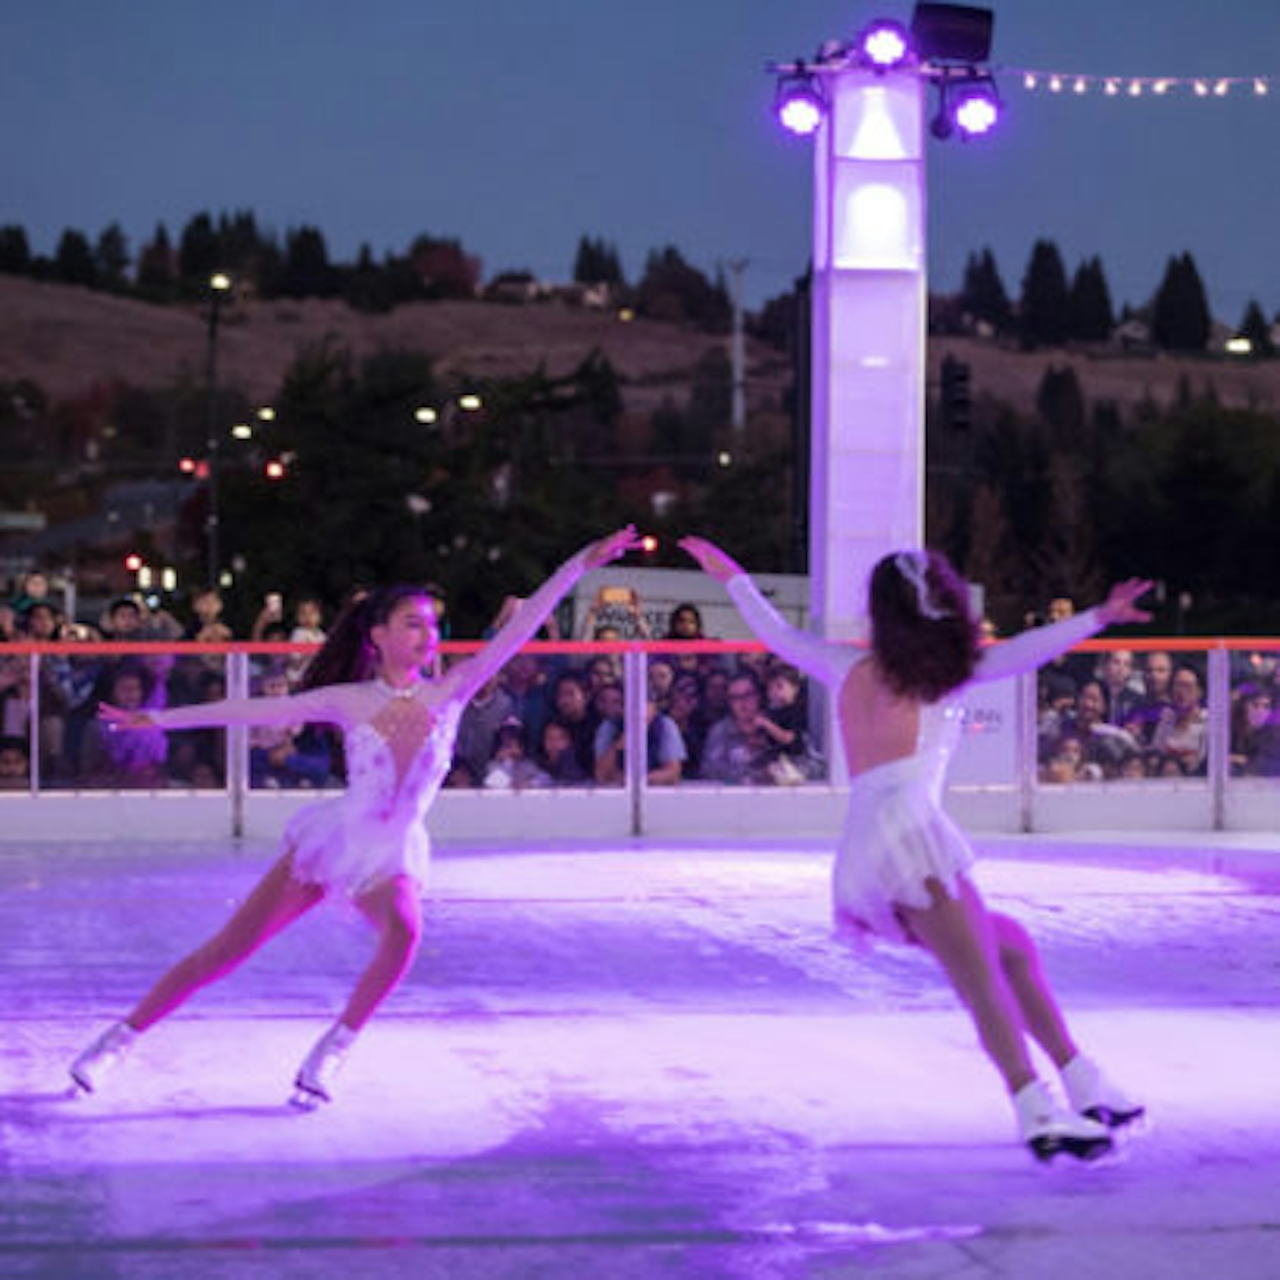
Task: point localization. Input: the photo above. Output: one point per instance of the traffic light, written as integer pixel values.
(275, 469)
(957, 399)
(133, 562)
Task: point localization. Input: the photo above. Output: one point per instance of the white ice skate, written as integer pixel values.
(313, 1085)
(1093, 1095)
(1049, 1129)
(101, 1056)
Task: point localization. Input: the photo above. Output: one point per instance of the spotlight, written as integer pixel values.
(975, 107)
(799, 103)
(951, 33)
(884, 45)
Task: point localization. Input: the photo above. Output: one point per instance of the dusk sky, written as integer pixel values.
(518, 126)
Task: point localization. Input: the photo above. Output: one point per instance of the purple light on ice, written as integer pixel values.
(884, 44)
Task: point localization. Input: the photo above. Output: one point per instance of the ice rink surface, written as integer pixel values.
(636, 1061)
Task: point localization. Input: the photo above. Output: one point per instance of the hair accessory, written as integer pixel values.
(913, 566)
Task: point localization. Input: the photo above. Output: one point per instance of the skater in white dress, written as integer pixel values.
(371, 844)
(901, 870)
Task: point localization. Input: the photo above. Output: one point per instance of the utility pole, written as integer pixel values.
(738, 356)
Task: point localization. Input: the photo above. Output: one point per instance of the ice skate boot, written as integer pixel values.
(1093, 1095)
(1049, 1129)
(313, 1085)
(101, 1056)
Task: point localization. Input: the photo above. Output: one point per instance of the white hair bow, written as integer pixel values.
(913, 566)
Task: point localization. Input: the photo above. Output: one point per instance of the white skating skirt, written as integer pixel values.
(895, 838)
(350, 852)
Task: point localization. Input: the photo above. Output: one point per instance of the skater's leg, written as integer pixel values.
(395, 912)
(1041, 1014)
(277, 901)
(958, 932)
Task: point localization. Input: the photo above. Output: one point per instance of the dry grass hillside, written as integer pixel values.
(69, 339)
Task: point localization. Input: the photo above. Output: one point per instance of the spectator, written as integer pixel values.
(15, 769)
(1255, 736)
(685, 624)
(1157, 678)
(558, 757)
(1105, 745)
(738, 751)
(478, 726)
(685, 709)
(1122, 686)
(308, 628)
(664, 750)
(209, 626)
(123, 761)
(440, 604)
(614, 614)
(571, 708)
(1181, 733)
(34, 590)
(511, 769)
(524, 681)
(661, 676)
(283, 756)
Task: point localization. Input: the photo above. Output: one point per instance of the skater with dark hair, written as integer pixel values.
(398, 728)
(902, 866)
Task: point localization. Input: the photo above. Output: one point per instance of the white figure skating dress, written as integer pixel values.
(896, 835)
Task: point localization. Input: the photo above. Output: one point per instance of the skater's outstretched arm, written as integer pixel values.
(331, 704)
(819, 658)
(470, 676)
(1034, 648)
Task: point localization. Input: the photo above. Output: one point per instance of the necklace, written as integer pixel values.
(392, 691)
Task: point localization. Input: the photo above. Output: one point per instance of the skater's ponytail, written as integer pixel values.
(348, 654)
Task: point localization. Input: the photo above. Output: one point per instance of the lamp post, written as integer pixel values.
(219, 288)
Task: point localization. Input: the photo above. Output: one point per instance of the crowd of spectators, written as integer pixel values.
(551, 720)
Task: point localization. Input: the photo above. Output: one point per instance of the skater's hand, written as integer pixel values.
(612, 548)
(719, 564)
(119, 718)
(1121, 604)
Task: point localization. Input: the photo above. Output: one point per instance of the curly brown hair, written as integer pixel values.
(921, 656)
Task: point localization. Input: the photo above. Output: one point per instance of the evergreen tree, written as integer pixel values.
(443, 268)
(111, 259)
(597, 263)
(1180, 311)
(1061, 403)
(1089, 306)
(305, 272)
(1044, 310)
(982, 295)
(1254, 326)
(73, 262)
(199, 256)
(157, 268)
(671, 289)
(15, 252)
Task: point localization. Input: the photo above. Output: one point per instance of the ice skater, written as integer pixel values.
(902, 866)
(370, 843)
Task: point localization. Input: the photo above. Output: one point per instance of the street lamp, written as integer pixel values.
(219, 288)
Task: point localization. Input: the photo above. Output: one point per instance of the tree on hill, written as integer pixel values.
(111, 259)
(982, 294)
(73, 262)
(199, 256)
(597, 262)
(1061, 402)
(1044, 309)
(1254, 326)
(444, 269)
(1089, 306)
(15, 252)
(305, 271)
(157, 275)
(1180, 318)
(673, 290)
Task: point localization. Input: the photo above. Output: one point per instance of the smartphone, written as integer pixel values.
(616, 595)
(274, 603)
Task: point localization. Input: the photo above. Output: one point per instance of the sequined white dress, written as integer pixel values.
(399, 747)
(896, 834)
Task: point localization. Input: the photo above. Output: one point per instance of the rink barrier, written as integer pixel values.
(1004, 797)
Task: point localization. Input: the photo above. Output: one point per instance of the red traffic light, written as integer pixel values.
(648, 544)
(187, 466)
(275, 469)
(133, 562)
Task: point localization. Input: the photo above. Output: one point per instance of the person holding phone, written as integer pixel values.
(399, 726)
(615, 614)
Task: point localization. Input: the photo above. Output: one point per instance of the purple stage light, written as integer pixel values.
(799, 104)
(976, 110)
(884, 45)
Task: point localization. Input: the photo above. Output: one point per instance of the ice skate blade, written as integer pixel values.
(1131, 1121)
(304, 1099)
(1048, 1147)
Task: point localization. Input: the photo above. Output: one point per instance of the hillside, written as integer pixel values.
(69, 339)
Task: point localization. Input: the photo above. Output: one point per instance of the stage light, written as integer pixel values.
(799, 103)
(975, 106)
(275, 469)
(884, 45)
(951, 33)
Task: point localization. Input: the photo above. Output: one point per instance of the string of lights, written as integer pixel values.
(1066, 82)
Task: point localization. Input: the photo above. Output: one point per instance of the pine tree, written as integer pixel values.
(1180, 312)
(1044, 311)
(15, 252)
(982, 295)
(1092, 318)
(157, 267)
(199, 256)
(111, 258)
(1254, 326)
(73, 262)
